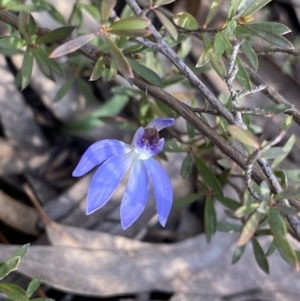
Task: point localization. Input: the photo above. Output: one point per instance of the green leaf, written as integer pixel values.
(274, 27)
(27, 26)
(162, 2)
(63, 90)
(112, 107)
(9, 266)
(209, 178)
(186, 200)
(230, 27)
(146, 73)
(242, 135)
(229, 203)
(212, 11)
(85, 89)
(242, 75)
(271, 249)
(22, 251)
(72, 45)
(260, 256)
(187, 166)
(269, 36)
(170, 28)
(287, 123)
(95, 13)
(237, 254)
(250, 54)
(293, 174)
(56, 35)
(232, 8)
(43, 64)
(27, 66)
(220, 43)
(51, 63)
(98, 69)
(278, 228)
(245, 210)
(186, 21)
(277, 109)
(249, 228)
(12, 43)
(291, 191)
(254, 7)
(205, 57)
(129, 23)
(33, 285)
(106, 8)
(218, 65)
(120, 60)
(76, 16)
(273, 152)
(173, 146)
(210, 218)
(27, 7)
(13, 291)
(286, 148)
(228, 227)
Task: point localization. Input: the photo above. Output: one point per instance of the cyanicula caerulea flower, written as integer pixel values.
(116, 158)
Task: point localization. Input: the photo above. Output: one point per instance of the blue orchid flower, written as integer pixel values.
(116, 158)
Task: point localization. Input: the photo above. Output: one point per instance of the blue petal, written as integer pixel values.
(136, 141)
(160, 123)
(136, 194)
(98, 153)
(106, 180)
(162, 189)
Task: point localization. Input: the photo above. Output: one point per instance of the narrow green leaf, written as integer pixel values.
(274, 27)
(286, 148)
(212, 11)
(162, 2)
(27, 66)
(131, 32)
(291, 191)
(63, 90)
(9, 266)
(72, 45)
(271, 249)
(243, 136)
(270, 36)
(242, 75)
(232, 8)
(146, 73)
(229, 203)
(129, 23)
(170, 28)
(27, 27)
(120, 60)
(250, 54)
(33, 285)
(12, 43)
(273, 152)
(220, 43)
(56, 35)
(278, 229)
(249, 228)
(50, 62)
(31, 28)
(205, 57)
(77, 17)
(186, 200)
(260, 256)
(95, 13)
(98, 69)
(43, 64)
(13, 291)
(186, 21)
(293, 174)
(113, 70)
(173, 146)
(277, 109)
(22, 251)
(85, 89)
(209, 178)
(230, 27)
(218, 65)
(237, 254)
(186, 166)
(245, 210)
(106, 8)
(254, 7)
(286, 124)
(228, 227)
(27, 7)
(210, 218)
